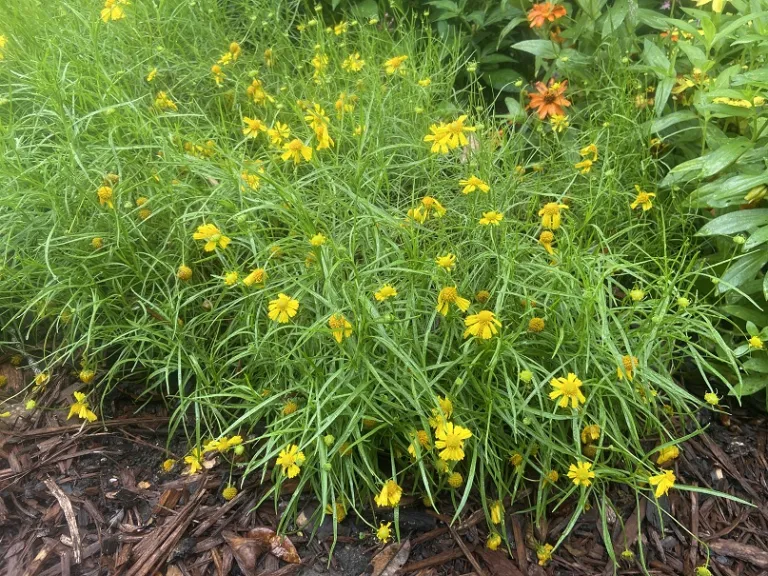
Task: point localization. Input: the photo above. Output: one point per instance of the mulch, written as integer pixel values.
(88, 500)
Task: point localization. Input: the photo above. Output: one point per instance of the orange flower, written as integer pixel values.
(549, 100)
(540, 13)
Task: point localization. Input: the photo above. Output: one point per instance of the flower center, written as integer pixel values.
(449, 294)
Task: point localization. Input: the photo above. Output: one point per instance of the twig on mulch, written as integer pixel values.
(467, 552)
(69, 514)
(751, 554)
(116, 423)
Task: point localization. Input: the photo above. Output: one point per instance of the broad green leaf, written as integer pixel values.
(544, 48)
(749, 385)
(503, 79)
(665, 122)
(494, 59)
(656, 20)
(655, 58)
(756, 365)
(760, 236)
(615, 17)
(726, 191)
(515, 109)
(746, 313)
(663, 90)
(744, 269)
(712, 162)
(753, 76)
(735, 222)
(511, 25)
(731, 27)
(695, 55)
(709, 31)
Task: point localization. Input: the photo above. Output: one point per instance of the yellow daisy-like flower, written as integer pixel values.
(717, 5)
(581, 473)
(447, 262)
(550, 215)
(86, 376)
(80, 408)
(229, 492)
(257, 277)
(585, 166)
(590, 433)
(113, 10)
(455, 480)
(164, 102)
(283, 308)
(41, 379)
(636, 294)
(296, 150)
(97, 242)
(105, 195)
(552, 476)
(711, 398)
(440, 138)
(340, 327)
(318, 240)
(424, 82)
(195, 461)
(230, 278)
(493, 542)
(253, 126)
(483, 325)
(289, 408)
(390, 494)
(755, 343)
(536, 325)
(559, 122)
(212, 236)
(667, 454)
(383, 532)
(642, 199)
(545, 239)
(566, 389)
(628, 365)
(497, 512)
(353, 63)
(492, 218)
(544, 554)
(291, 460)
(663, 482)
(385, 293)
(473, 183)
(395, 64)
(450, 440)
(278, 133)
(457, 132)
(168, 464)
(152, 75)
(449, 295)
(446, 406)
(184, 272)
(589, 150)
(422, 438)
(339, 508)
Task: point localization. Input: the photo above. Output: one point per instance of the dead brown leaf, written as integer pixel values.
(247, 549)
(391, 559)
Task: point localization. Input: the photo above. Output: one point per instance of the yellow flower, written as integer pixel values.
(483, 325)
(283, 308)
(447, 296)
(252, 127)
(218, 74)
(587, 150)
(424, 82)
(667, 454)
(80, 408)
(385, 292)
(113, 10)
(291, 460)
(225, 443)
(152, 75)
(755, 343)
(446, 262)
(717, 5)
(269, 58)
(390, 494)
(383, 532)
(41, 378)
(493, 542)
(559, 122)
(319, 63)
(340, 327)
(30, 405)
(278, 133)
(358, 131)
(545, 239)
(581, 473)
(86, 376)
(636, 294)
(663, 482)
(168, 464)
(3, 43)
(432, 205)
(584, 166)
(482, 296)
(550, 215)
(105, 196)
(195, 461)
(234, 49)
(97, 242)
(340, 28)
(491, 218)
(590, 433)
(567, 389)
(450, 439)
(296, 150)
(422, 438)
(318, 240)
(446, 406)
(339, 508)
(628, 365)
(257, 93)
(394, 64)
(711, 398)
(544, 554)
(184, 272)
(642, 199)
(289, 408)
(520, 170)
(230, 278)
(440, 138)
(345, 103)
(257, 277)
(164, 102)
(497, 512)
(536, 324)
(212, 236)
(353, 63)
(229, 492)
(473, 183)
(516, 459)
(456, 132)
(552, 476)
(455, 480)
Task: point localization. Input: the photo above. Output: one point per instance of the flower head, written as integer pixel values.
(483, 325)
(229, 492)
(550, 215)
(455, 480)
(536, 324)
(291, 459)
(549, 100)
(80, 408)
(390, 494)
(86, 376)
(590, 433)
(492, 218)
(253, 126)
(755, 343)
(544, 554)
(97, 242)
(544, 12)
(168, 464)
(663, 482)
(642, 199)
(493, 542)
(581, 473)
(473, 183)
(195, 461)
(318, 240)
(385, 293)
(383, 533)
(256, 277)
(559, 122)
(545, 239)
(447, 262)
(212, 236)
(230, 278)
(585, 166)
(566, 389)
(497, 512)
(447, 296)
(450, 440)
(636, 294)
(105, 196)
(395, 64)
(340, 327)
(667, 454)
(353, 63)
(627, 368)
(113, 10)
(711, 398)
(184, 272)
(296, 150)
(283, 308)
(278, 133)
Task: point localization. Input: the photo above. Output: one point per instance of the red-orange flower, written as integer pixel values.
(549, 100)
(540, 13)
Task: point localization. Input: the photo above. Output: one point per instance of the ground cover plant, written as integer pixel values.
(338, 269)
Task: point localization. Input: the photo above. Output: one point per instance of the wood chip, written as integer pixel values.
(69, 514)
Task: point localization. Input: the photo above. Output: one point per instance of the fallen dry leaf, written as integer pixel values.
(391, 559)
(246, 551)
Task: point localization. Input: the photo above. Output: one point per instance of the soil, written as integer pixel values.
(93, 499)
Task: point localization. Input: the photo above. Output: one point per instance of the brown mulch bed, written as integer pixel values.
(93, 500)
